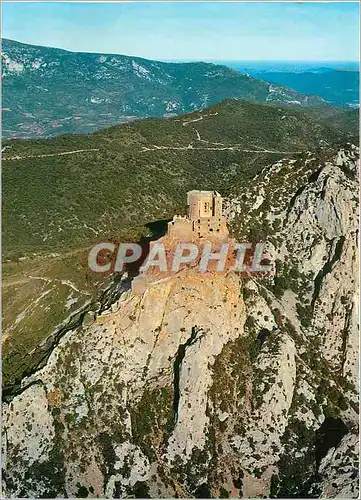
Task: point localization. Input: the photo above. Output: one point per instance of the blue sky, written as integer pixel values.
(191, 31)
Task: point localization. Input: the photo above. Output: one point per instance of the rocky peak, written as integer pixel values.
(213, 385)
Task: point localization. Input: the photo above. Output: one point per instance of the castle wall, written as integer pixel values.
(217, 206)
(210, 227)
(180, 228)
(200, 204)
(205, 218)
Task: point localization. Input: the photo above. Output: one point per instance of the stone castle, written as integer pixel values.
(204, 219)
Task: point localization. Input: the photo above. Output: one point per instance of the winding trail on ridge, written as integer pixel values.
(216, 146)
(63, 153)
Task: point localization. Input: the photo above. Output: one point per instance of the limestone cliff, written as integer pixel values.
(213, 385)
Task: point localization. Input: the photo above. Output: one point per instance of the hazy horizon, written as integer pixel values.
(204, 31)
(262, 63)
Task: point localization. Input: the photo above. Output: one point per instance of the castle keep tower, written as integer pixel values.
(204, 220)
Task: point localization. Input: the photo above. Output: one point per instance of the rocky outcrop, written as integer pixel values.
(109, 372)
(213, 384)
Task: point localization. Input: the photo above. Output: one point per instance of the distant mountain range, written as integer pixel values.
(338, 87)
(48, 91)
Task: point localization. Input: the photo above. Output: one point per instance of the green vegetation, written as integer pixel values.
(349, 121)
(63, 202)
(152, 420)
(38, 295)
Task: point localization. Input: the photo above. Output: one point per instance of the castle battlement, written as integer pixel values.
(204, 220)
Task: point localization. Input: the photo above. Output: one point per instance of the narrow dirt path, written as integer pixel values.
(50, 154)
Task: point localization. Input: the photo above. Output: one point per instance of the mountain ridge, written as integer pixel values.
(338, 87)
(52, 91)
